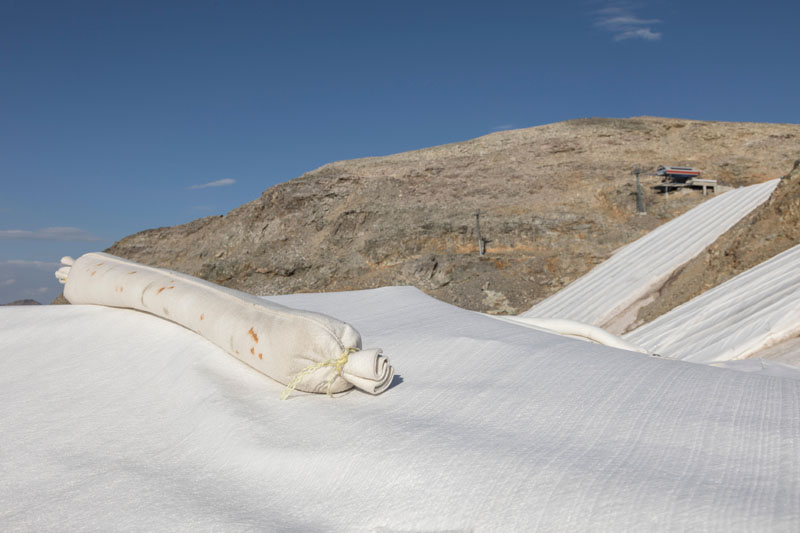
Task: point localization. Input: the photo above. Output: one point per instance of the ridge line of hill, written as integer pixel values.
(555, 200)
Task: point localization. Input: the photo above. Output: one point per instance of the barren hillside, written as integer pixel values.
(554, 200)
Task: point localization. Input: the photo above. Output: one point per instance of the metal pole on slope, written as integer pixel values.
(639, 198)
(478, 227)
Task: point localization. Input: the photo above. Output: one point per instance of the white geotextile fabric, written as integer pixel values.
(285, 344)
(113, 419)
(762, 366)
(637, 270)
(571, 328)
(752, 311)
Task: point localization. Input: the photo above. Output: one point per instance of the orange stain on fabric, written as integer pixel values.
(252, 334)
(132, 272)
(252, 351)
(261, 356)
(202, 316)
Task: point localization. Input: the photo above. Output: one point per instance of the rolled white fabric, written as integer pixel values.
(284, 343)
(369, 370)
(61, 273)
(572, 328)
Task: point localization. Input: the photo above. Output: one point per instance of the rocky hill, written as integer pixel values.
(554, 200)
(26, 301)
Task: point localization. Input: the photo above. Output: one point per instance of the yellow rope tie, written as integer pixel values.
(337, 364)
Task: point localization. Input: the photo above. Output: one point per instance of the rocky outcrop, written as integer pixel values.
(27, 301)
(554, 200)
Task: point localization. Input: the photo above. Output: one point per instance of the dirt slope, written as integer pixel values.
(555, 200)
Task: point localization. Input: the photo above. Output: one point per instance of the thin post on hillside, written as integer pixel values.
(639, 197)
(478, 229)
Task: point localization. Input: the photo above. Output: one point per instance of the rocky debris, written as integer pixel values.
(555, 201)
(60, 300)
(26, 301)
(770, 229)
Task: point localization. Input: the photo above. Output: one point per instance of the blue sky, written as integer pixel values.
(118, 116)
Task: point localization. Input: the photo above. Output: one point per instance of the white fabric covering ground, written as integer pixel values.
(578, 330)
(112, 419)
(786, 352)
(757, 309)
(605, 296)
(762, 366)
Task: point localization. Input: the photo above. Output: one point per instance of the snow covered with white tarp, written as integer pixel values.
(604, 295)
(752, 311)
(113, 419)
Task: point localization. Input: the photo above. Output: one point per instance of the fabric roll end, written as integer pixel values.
(369, 370)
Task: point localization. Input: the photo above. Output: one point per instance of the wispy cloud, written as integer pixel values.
(46, 265)
(219, 183)
(7, 282)
(620, 20)
(503, 127)
(60, 233)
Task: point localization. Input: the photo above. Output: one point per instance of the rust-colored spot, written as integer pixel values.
(100, 264)
(202, 316)
(94, 272)
(164, 289)
(121, 289)
(261, 356)
(252, 351)
(132, 272)
(252, 334)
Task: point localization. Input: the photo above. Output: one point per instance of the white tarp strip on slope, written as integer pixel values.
(752, 311)
(112, 419)
(786, 352)
(644, 265)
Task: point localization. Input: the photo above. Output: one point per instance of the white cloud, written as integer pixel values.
(642, 33)
(619, 20)
(219, 183)
(7, 282)
(60, 233)
(46, 265)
